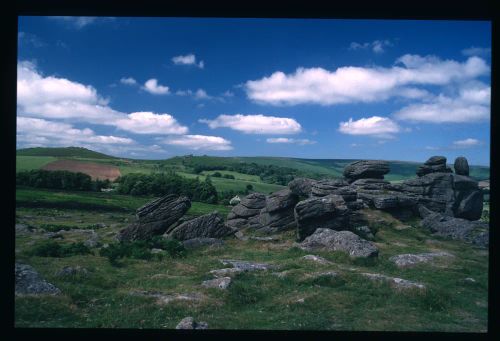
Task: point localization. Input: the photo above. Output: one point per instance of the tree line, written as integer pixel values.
(60, 179)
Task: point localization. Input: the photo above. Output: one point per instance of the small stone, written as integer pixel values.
(189, 323)
(317, 259)
(225, 272)
(408, 259)
(220, 283)
(71, 271)
(398, 283)
(470, 279)
(156, 251)
(300, 300)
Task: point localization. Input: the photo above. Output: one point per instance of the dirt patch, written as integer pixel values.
(95, 170)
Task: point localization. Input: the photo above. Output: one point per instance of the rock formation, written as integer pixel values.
(435, 164)
(278, 214)
(29, 282)
(207, 226)
(155, 218)
(461, 166)
(366, 169)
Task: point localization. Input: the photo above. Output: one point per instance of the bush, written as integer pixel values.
(228, 176)
(50, 248)
(217, 175)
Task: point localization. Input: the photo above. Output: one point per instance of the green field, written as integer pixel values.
(25, 163)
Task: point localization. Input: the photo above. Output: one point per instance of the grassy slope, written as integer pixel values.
(260, 300)
(24, 163)
(63, 152)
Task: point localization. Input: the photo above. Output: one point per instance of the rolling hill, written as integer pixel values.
(77, 152)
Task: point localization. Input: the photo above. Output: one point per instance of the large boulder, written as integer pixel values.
(435, 164)
(346, 241)
(366, 169)
(301, 186)
(327, 212)
(475, 232)
(461, 166)
(29, 282)
(206, 226)
(155, 217)
(323, 188)
(278, 214)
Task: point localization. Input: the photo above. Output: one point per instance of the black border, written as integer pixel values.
(352, 9)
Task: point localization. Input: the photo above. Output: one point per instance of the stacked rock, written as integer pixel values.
(246, 213)
(461, 166)
(366, 169)
(436, 164)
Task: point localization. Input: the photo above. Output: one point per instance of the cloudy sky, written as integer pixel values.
(154, 88)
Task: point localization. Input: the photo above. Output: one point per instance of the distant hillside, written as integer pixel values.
(78, 152)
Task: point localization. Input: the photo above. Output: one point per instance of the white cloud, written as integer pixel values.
(77, 22)
(128, 81)
(36, 130)
(376, 126)
(31, 39)
(362, 84)
(228, 94)
(476, 51)
(151, 123)
(377, 46)
(469, 142)
(289, 140)
(201, 94)
(154, 88)
(255, 124)
(189, 59)
(199, 142)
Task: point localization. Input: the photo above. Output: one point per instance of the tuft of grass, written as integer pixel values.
(50, 248)
(245, 289)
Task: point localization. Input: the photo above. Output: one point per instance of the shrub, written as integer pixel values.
(50, 248)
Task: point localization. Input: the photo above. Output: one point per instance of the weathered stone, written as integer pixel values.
(327, 212)
(208, 226)
(219, 283)
(281, 200)
(226, 272)
(155, 217)
(236, 224)
(92, 241)
(371, 184)
(23, 229)
(162, 298)
(278, 213)
(72, 271)
(254, 201)
(397, 283)
(435, 164)
(234, 200)
(409, 260)
(157, 251)
(346, 241)
(196, 243)
(366, 169)
(189, 323)
(471, 206)
(364, 232)
(247, 266)
(29, 282)
(265, 239)
(301, 186)
(326, 187)
(475, 232)
(317, 259)
(461, 166)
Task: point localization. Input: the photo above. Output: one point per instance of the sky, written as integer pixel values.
(154, 88)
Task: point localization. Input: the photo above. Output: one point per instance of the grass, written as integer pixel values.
(259, 300)
(25, 163)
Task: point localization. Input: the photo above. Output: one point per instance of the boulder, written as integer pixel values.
(327, 212)
(196, 243)
(301, 186)
(475, 232)
(397, 283)
(155, 217)
(461, 166)
(29, 282)
(366, 169)
(325, 187)
(278, 213)
(247, 266)
(219, 283)
(346, 241)
(254, 201)
(371, 184)
(72, 271)
(249, 207)
(208, 226)
(471, 206)
(435, 164)
(190, 323)
(408, 259)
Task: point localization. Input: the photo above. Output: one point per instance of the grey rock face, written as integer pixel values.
(23, 229)
(247, 266)
(278, 214)
(301, 186)
(196, 243)
(409, 260)
(322, 188)
(207, 226)
(190, 323)
(163, 298)
(461, 166)
(397, 283)
(366, 169)
(364, 232)
(435, 164)
(219, 283)
(475, 232)
(72, 271)
(254, 201)
(92, 241)
(249, 207)
(225, 272)
(29, 282)
(371, 184)
(346, 241)
(155, 217)
(327, 212)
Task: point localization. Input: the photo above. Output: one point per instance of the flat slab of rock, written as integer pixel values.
(196, 243)
(206, 226)
(190, 323)
(366, 169)
(248, 266)
(265, 239)
(409, 260)
(225, 272)
(435, 164)
(317, 259)
(219, 283)
(29, 282)
(162, 298)
(346, 241)
(398, 283)
(301, 186)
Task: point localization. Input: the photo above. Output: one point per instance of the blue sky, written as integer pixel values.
(153, 88)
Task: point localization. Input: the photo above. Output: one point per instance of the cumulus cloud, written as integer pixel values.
(376, 46)
(199, 142)
(128, 81)
(189, 59)
(289, 140)
(476, 51)
(35, 130)
(469, 142)
(80, 22)
(151, 123)
(376, 126)
(362, 84)
(59, 98)
(255, 124)
(154, 88)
